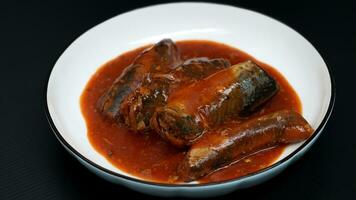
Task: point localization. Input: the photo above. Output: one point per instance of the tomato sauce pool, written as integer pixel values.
(147, 156)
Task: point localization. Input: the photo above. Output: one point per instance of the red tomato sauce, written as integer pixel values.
(147, 156)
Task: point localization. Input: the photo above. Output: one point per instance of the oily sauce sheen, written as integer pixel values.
(149, 157)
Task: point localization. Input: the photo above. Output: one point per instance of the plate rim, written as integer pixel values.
(72, 150)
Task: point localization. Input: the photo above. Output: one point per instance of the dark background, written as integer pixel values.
(33, 164)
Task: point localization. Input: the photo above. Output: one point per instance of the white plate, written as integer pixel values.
(262, 37)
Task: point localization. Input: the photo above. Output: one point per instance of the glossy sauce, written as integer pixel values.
(149, 157)
(202, 91)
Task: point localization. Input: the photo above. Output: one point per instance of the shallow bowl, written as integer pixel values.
(266, 39)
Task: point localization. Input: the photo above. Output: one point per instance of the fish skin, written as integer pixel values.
(138, 107)
(227, 94)
(161, 57)
(222, 147)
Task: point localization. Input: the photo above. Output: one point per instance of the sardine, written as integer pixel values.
(227, 94)
(160, 58)
(222, 147)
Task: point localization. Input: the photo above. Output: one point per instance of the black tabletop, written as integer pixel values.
(33, 164)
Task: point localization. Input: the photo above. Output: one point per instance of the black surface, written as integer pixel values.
(33, 165)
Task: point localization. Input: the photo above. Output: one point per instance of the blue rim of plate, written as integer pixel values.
(274, 165)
